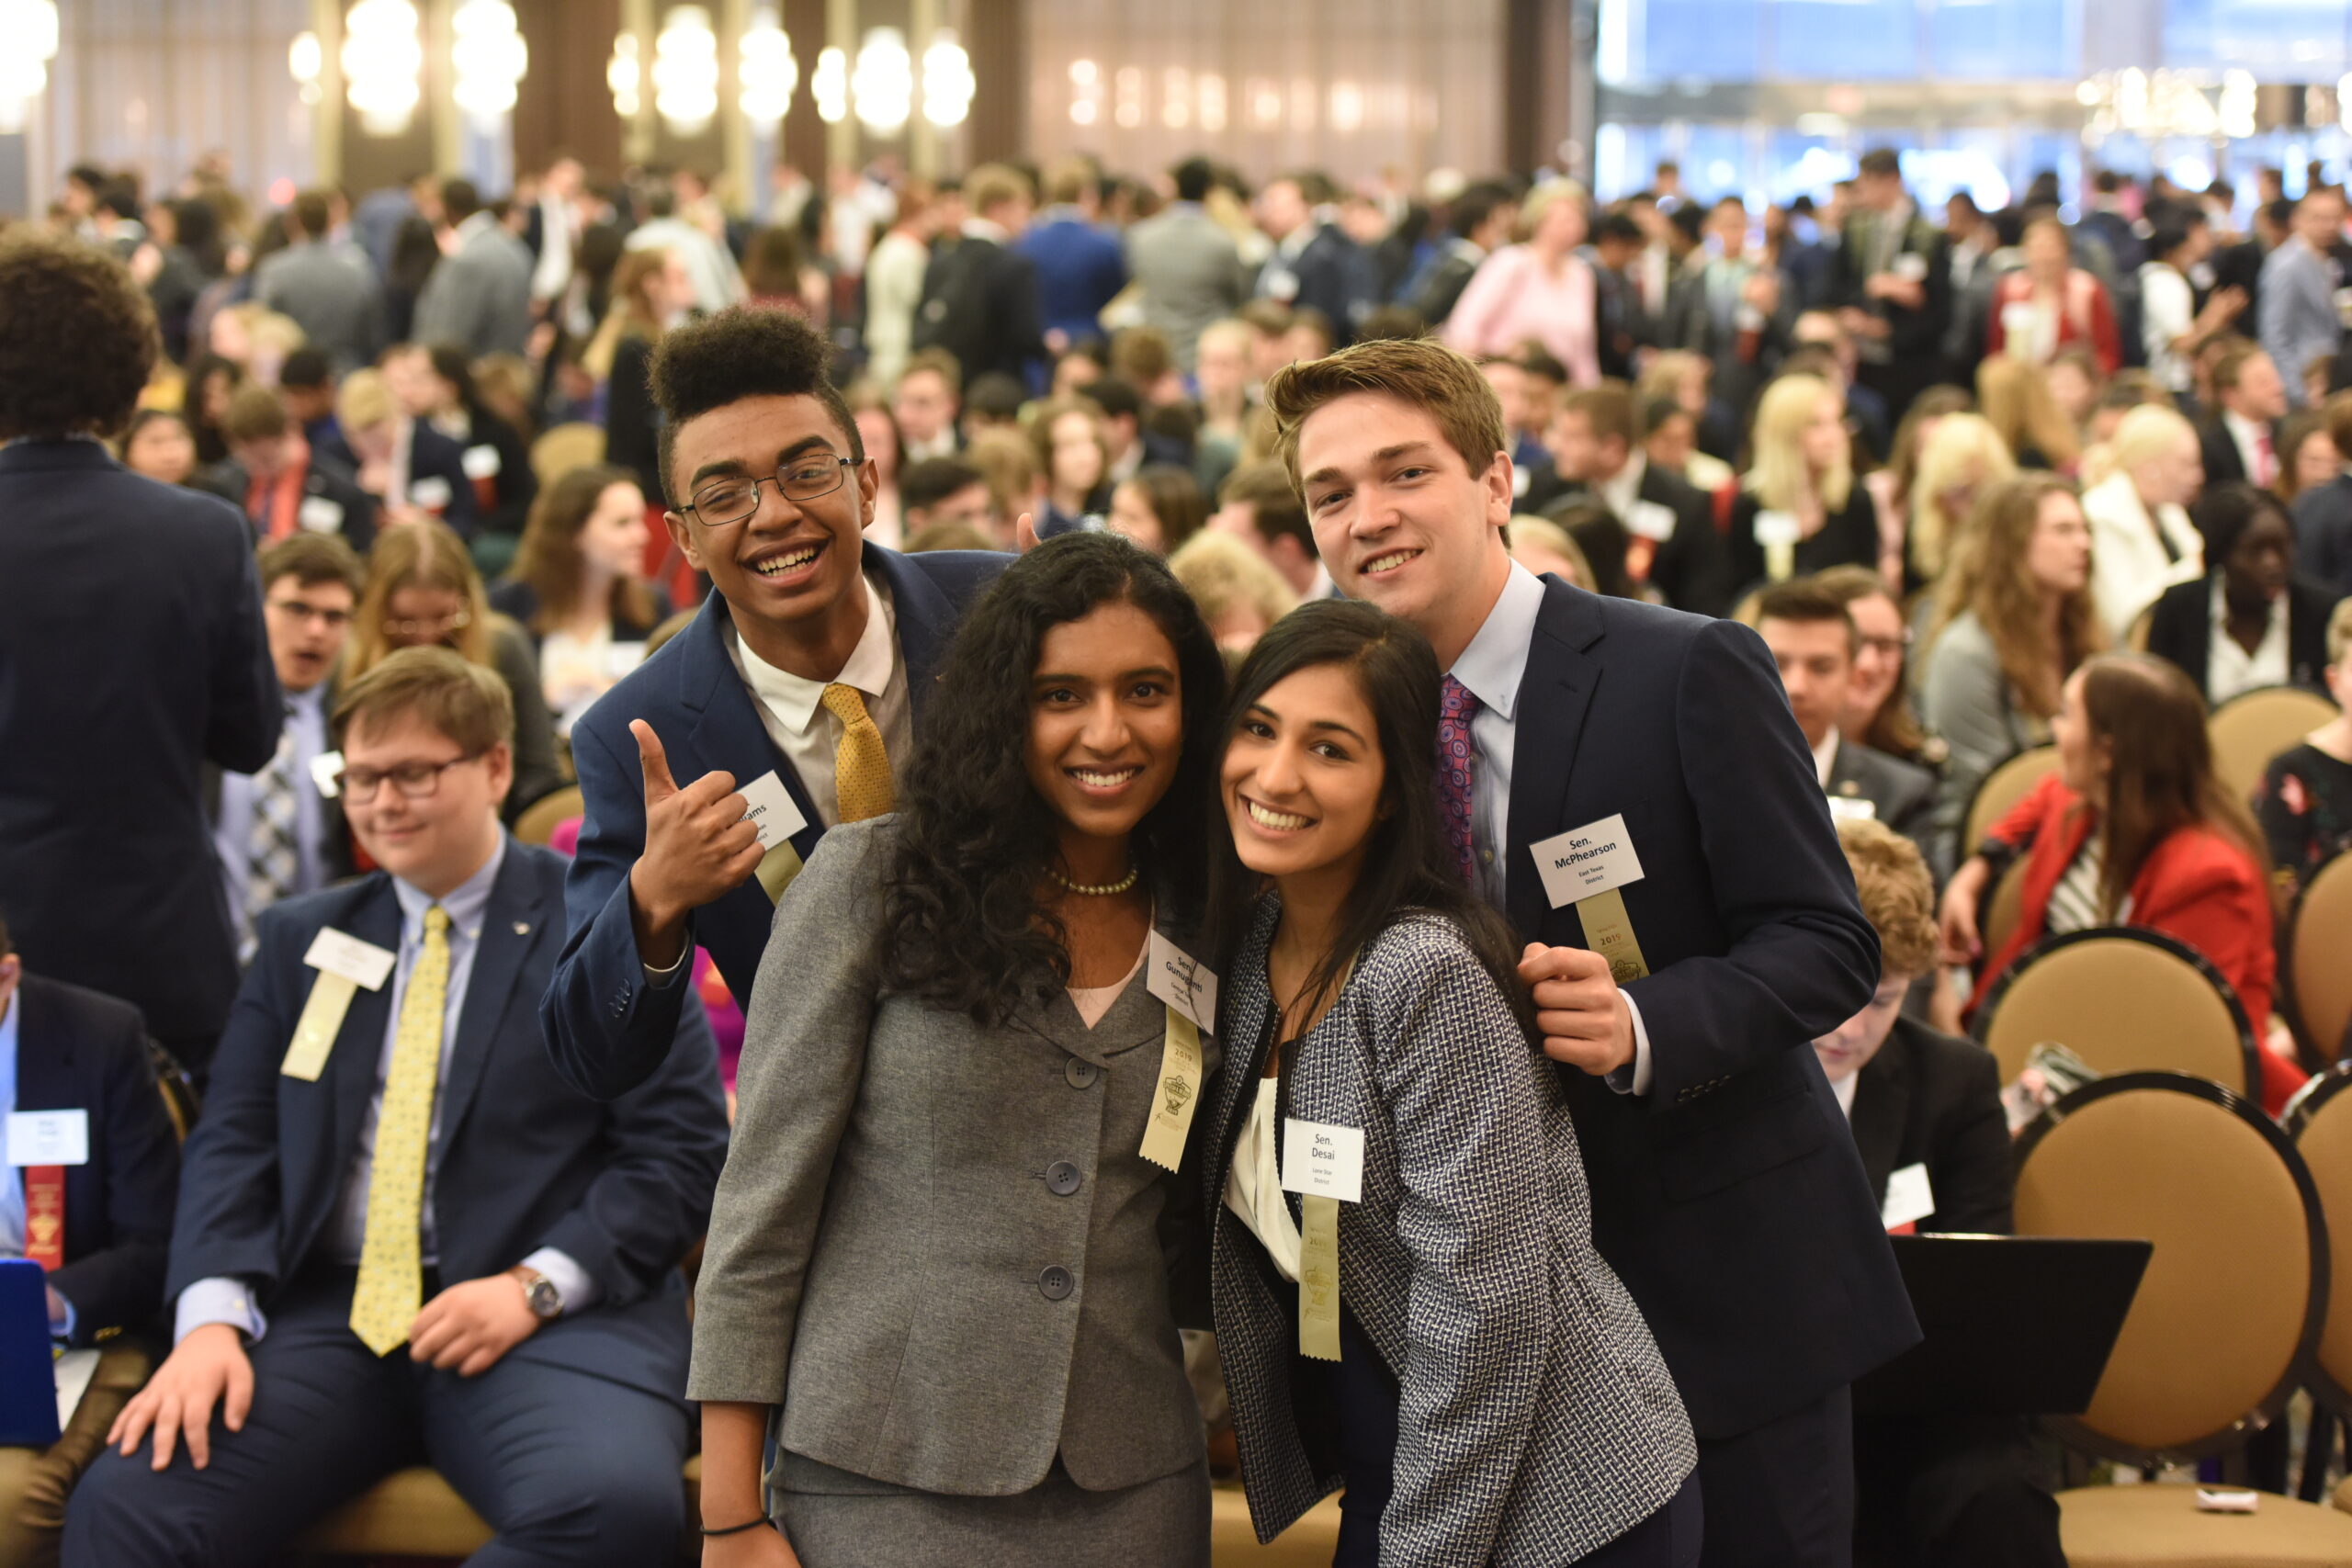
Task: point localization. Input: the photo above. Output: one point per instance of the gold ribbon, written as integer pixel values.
(1318, 1277)
(1609, 931)
(776, 870)
(314, 1032)
(1178, 1093)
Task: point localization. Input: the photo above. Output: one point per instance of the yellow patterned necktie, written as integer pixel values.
(862, 786)
(390, 1291)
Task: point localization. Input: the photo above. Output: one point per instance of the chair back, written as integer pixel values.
(2319, 1119)
(542, 817)
(2135, 635)
(2254, 726)
(2004, 787)
(2234, 1293)
(2123, 1000)
(2004, 907)
(177, 1086)
(2318, 992)
(564, 447)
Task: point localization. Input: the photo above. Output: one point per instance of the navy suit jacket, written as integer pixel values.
(607, 1028)
(132, 652)
(431, 456)
(1728, 1198)
(623, 1190)
(79, 1051)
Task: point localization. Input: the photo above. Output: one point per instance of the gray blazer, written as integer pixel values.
(479, 295)
(1536, 1420)
(1190, 273)
(332, 294)
(1965, 697)
(935, 1244)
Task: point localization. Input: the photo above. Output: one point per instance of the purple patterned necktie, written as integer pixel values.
(1456, 707)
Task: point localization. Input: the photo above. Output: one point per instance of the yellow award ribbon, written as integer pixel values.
(314, 1032)
(1318, 1277)
(1609, 931)
(776, 870)
(1177, 1095)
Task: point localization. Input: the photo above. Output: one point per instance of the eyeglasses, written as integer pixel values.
(296, 610)
(437, 626)
(722, 504)
(1894, 646)
(414, 781)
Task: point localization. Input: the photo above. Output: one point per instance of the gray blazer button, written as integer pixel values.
(1080, 1072)
(1055, 1283)
(1061, 1178)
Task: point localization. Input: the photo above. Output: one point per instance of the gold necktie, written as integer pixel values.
(391, 1289)
(862, 786)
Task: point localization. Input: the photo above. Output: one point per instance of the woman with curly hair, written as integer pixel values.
(941, 1253)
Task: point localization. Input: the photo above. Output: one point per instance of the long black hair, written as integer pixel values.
(1406, 868)
(962, 925)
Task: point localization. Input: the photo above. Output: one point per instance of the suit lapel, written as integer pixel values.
(1553, 695)
(512, 924)
(925, 618)
(729, 732)
(355, 1061)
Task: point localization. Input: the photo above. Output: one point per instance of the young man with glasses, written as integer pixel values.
(401, 1239)
(709, 774)
(276, 830)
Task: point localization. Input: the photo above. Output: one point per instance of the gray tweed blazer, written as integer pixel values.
(935, 1244)
(1536, 1420)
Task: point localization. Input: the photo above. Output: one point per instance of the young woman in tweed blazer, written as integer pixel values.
(1497, 1397)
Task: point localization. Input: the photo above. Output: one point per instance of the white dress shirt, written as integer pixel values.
(792, 709)
(1844, 1089)
(2249, 437)
(220, 1300)
(2229, 668)
(1825, 757)
(1492, 667)
(1622, 488)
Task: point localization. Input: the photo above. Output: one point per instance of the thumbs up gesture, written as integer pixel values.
(698, 845)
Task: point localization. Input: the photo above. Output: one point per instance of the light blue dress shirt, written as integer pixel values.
(306, 721)
(1493, 668)
(12, 1183)
(231, 1301)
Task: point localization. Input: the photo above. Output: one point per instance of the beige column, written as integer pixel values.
(326, 115)
(732, 19)
(841, 32)
(440, 84)
(636, 132)
(922, 136)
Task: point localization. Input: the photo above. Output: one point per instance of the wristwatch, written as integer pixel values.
(538, 1292)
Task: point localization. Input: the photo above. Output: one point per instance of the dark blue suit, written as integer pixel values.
(438, 465)
(571, 1444)
(1080, 268)
(132, 652)
(79, 1051)
(607, 1028)
(1728, 1198)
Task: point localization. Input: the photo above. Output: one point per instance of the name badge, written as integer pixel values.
(345, 966)
(326, 772)
(362, 963)
(1910, 266)
(1577, 864)
(1650, 520)
(48, 1137)
(1181, 981)
(769, 808)
(1777, 528)
(1851, 809)
(320, 516)
(482, 462)
(1909, 1199)
(1320, 1160)
(431, 492)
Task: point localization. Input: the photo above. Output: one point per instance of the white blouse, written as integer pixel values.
(1253, 1186)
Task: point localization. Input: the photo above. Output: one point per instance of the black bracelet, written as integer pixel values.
(738, 1529)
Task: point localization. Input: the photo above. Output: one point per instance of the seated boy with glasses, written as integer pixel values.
(401, 1239)
(796, 691)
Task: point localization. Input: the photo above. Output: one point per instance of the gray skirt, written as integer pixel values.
(835, 1519)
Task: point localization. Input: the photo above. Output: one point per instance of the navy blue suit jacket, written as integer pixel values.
(607, 1028)
(132, 652)
(623, 1190)
(1728, 1198)
(79, 1051)
(430, 456)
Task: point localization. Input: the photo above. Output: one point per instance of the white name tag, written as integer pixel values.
(1585, 860)
(431, 492)
(1650, 520)
(48, 1137)
(326, 772)
(362, 963)
(620, 658)
(1908, 1197)
(1851, 809)
(1911, 266)
(1777, 528)
(1320, 1160)
(768, 806)
(1181, 981)
(481, 462)
(320, 516)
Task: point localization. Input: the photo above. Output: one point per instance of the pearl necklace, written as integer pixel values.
(1104, 891)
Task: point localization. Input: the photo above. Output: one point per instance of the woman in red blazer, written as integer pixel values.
(2132, 829)
(2050, 303)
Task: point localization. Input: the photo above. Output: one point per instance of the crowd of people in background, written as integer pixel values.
(2076, 472)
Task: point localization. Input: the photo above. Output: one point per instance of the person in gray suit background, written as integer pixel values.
(480, 294)
(1188, 267)
(2298, 317)
(330, 291)
(944, 1241)
(1483, 1386)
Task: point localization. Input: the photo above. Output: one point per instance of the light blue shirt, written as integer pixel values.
(232, 830)
(230, 1301)
(12, 1185)
(1493, 668)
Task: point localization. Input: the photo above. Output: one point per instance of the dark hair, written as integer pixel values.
(1193, 177)
(1475, 204)
(306, 369)
(1173, 497)
(993, 395)
(742, 352)
(311, 559)
(1883, 161)
(459, 200)
(2225, 512)
(932, 480)
(77, 339)
(1595, 530)
(1405, 869)
(1807, 601)
(1116, 397)
(450, 362)
(962, 927)
(1273, 501)
(309, 211)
